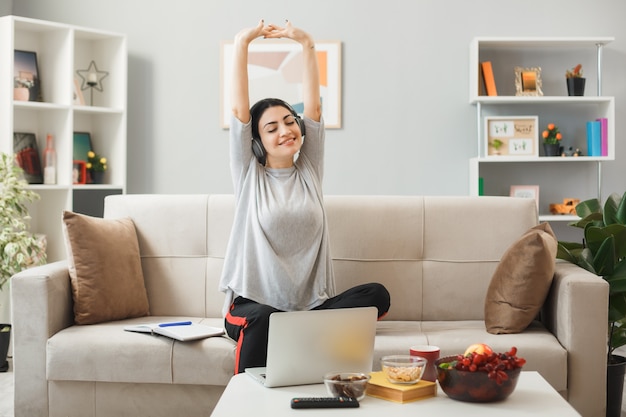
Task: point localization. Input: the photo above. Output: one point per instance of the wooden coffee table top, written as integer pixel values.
(532, 396)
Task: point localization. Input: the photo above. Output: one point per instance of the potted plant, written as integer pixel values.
(496, 144)
(19, 249)
(96, 165)
(575, 81)
(552, 140)
(21, 88)
(603, 252)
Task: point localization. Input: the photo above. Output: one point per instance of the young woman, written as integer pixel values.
(278, 257)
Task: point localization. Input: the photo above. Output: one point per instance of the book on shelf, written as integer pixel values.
(604, 136)
(594, 138)
(378, 386)
(179, 330)
(488, 79)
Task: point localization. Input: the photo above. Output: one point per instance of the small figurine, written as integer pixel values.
(567, 207)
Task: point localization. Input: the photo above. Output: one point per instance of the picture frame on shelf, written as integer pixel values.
(26, 79)
(275, 65)
(82, 145)
(79, 172)
(525, 191)
(516, 136)
(27, 156)
(528, 81)
(77, 96)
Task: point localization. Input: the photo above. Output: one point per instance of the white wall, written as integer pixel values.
(407, 125)
(6, 7)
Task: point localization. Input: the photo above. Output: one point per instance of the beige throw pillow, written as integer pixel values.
(521, 282)
(105, 268)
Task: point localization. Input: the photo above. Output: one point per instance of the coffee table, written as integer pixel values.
(533, 396)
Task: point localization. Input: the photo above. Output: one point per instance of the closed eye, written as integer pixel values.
(272, 127)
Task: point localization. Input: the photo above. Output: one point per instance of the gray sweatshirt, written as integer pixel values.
(278, 253)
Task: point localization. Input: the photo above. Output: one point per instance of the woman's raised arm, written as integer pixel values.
(310, 76)
(240, 95)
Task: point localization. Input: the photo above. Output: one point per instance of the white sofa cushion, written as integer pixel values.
(106, 353)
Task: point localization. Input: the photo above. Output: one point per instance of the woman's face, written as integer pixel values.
(281, 136)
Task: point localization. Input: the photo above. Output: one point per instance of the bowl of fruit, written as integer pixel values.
(480, 374)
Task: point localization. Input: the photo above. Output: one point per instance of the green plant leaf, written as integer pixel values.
(593, 218)
(610, 209)
(585, 260)
(570, 246)
(603, 252)
(17, 244)
(621, 211)
(563, 251)
(604, 258)
(619, 232)
(617, 307)
(594, 237)
(588, 207)
(618, 338)
(617, 280)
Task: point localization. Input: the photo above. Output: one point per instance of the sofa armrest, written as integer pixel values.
(576, 312)
(41, 305)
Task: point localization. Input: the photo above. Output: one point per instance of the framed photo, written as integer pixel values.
(77, 95)
(82, 145)
(511, 136)
(526, 191)
(27, 156)
(26, 77)
(79, 172)
(275, 70)
(528, 81)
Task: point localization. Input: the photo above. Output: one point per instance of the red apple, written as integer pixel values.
(479, 348)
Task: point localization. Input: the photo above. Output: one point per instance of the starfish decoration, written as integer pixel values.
(92, 77)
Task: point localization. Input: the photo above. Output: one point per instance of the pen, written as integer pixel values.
(175, 323)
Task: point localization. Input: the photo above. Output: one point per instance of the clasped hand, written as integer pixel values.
(272, 31)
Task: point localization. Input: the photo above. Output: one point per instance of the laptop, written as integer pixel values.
(305, 345)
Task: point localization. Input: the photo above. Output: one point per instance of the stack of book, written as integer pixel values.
(597, 137)
(379, 387)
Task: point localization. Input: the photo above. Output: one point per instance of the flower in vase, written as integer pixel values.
(551, 136)
(95, 162)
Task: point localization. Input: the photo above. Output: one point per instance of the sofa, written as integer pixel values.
(435, 254)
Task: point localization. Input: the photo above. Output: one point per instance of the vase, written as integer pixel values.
(5, 340)
(21, 94)
(575, 86)
(97, 177)
(615, 370)
(551, 149)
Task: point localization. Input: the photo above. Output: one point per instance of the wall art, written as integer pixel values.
(275, 70)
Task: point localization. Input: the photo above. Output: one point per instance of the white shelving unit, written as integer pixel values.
(570, 113)
(62, 50)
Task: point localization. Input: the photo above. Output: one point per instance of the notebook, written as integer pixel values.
(180, 330)
(305, 345)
